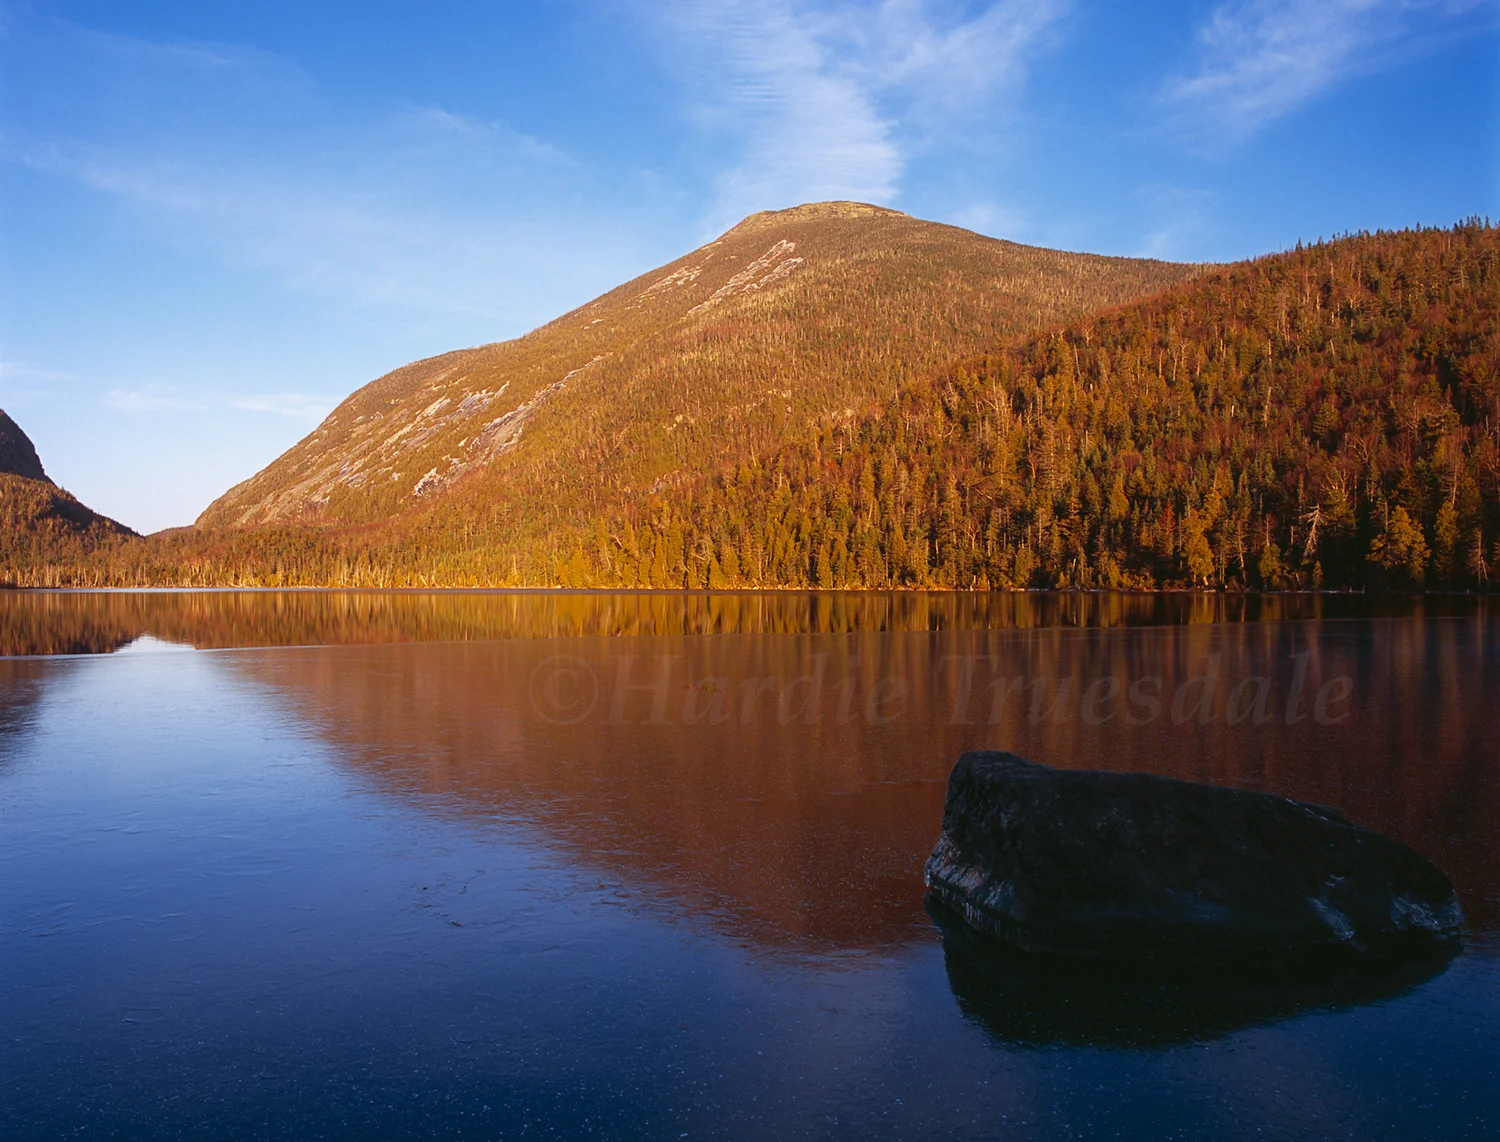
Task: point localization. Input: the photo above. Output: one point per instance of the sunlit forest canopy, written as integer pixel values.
(1320, 418)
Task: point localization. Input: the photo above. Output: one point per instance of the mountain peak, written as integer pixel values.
(758, 337)
(17, 454)
(816, 212)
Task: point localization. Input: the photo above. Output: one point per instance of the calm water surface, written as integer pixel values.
(305, 865)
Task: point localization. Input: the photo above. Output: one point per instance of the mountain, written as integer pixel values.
(791, 320)
(17, 454)
(46, 536)
(1327, 417)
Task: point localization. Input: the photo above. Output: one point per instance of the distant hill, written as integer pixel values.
(792, 319)
(46, 536)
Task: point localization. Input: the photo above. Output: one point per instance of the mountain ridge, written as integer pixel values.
(1324, 417)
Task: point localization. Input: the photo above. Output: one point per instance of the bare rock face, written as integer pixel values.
(17, 454)
(1134, 867)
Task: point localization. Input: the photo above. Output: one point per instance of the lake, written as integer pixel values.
(396, 865)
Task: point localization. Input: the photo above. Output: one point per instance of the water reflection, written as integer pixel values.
(21, 688)
(1029, 1001)
(791, 786)
(377, 884)
(95, 622)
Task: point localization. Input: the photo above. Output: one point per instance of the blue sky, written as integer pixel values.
(217, 219)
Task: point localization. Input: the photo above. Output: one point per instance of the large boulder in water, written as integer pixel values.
(1132, 866)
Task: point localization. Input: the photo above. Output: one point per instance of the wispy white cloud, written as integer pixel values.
(23, 383)
(357, 242)
(13, 371)
(29, 379)
(1260, 59)
(21, 377)
(827, 101)
(146, 59)
(942, 55)
(298, 406)
(236, 154)
(163, 398)
(366, 233)
(150, 399)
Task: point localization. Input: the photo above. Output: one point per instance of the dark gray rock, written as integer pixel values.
(17, 453)
(1131, 866)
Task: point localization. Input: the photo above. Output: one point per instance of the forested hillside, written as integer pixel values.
(1325, 417)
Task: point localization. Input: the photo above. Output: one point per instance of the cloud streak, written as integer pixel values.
(25, 371)
(155, 397)
(167, 399)
(148, 400)
(236, 154)
(355, 242)
(298, 406)
(824, 101)
(1261, 59)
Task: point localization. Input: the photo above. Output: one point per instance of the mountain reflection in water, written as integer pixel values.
(790, 785)
(786, 776)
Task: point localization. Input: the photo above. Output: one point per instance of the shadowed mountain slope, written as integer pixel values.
(46, 536)
(17, 454)
(790, 320)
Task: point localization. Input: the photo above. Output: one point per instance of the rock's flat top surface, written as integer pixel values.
(1129, 865)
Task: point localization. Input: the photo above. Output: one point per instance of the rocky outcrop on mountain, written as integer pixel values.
(17, 454)
(1131, 866)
